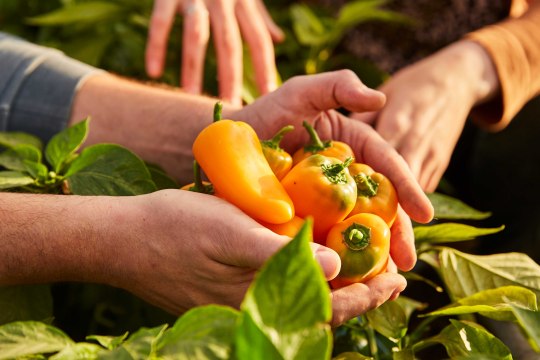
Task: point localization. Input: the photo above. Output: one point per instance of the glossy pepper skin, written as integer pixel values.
(321, 187)
(363, 244)
(198, 185)
(330, 148)
(376, 194)
(290, 228)
(279, 160)
(231, 156)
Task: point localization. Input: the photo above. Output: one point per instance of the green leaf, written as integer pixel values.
(389, 319)
(447, 207)
(89, 49)
(466, 274)
(307, 27)
(417, 277)
(465, 340)
(108, 169)
(160, 178)
(450, 232)
(78, 351)
(13, 158)
(12, 139)
(109, 342)
(205, 332)
(410, 305)
(63, 145)
(357, 12)
(13, 179)
(24, 338)
(529, 321)
(140, 345)
(25, 302)
(289, 303)
(84, 12)
(351, 356)
(493, 303)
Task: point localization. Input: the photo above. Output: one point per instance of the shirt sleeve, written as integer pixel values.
(514, 46)
(37, 87)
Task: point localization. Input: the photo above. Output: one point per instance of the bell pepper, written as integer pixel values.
(362, 242)
(231, 156)
(331, 148)
(198, 185)
(376, 194)
(280, 161)
(321, 187)
(290, 228)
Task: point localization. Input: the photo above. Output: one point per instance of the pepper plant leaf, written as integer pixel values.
(80, 350)
(12, 139)
(529, 321)
(26, 338)
(389, 319)
(140, 345)
(62, 146)
(450, 232)
(84, 12)
(203, 332)
(466, 340)
(108, 169)
(289, 305)
(14, 179)
(465, 274)
(493, 303)
(449, 208)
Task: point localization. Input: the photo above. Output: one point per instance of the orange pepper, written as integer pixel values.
(231, 156)
(280, 161)
(331, 148)
(321, 187)
(363, 244)
(376, 194)
(290, 228)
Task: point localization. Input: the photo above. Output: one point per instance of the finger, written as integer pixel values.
(158, 36)
(260, 45)
(275, 31)
(373, 150)
(391, 266)
(195, 42)
(402, 247)
(330, 90)
(432, 172)
(369, 118)
(228, 46)
(356, 299)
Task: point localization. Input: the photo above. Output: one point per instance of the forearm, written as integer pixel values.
(157, 124)
(48, 238)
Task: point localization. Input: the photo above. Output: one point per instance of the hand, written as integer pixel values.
(227, 18)
(428, 104)
(178, 249)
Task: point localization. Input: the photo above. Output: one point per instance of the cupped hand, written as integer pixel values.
(230, 21)
(428, 104)
(315, 98)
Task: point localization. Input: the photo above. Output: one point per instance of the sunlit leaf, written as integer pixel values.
(447, 207)
(450, 232)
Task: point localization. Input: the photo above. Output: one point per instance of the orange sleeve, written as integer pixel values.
(514, 46)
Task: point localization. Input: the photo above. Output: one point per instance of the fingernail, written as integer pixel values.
(329, 261)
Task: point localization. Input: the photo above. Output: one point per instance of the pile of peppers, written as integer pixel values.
(351, 205)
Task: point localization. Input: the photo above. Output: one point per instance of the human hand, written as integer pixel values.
(313, 98)
(227, 18)
(179, 249)
(428, 104)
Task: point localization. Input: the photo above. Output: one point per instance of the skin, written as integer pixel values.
(178, 249)
(424, 125)
(231, 21)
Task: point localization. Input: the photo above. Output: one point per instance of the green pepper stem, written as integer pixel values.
(315, 144)
(218, 108)
(366, 185)
(274, 142)
(357, 237)
(198, 184)
(334, 172)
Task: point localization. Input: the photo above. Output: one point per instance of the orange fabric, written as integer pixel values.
(514, 46)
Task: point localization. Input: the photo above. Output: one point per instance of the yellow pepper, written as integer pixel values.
(231, 156)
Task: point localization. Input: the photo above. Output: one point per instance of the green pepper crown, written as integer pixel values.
(218, 108)
(366, 185)
(273, 143)
(198, 185)
(335, 172)
(315, 145)
(357, 237)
